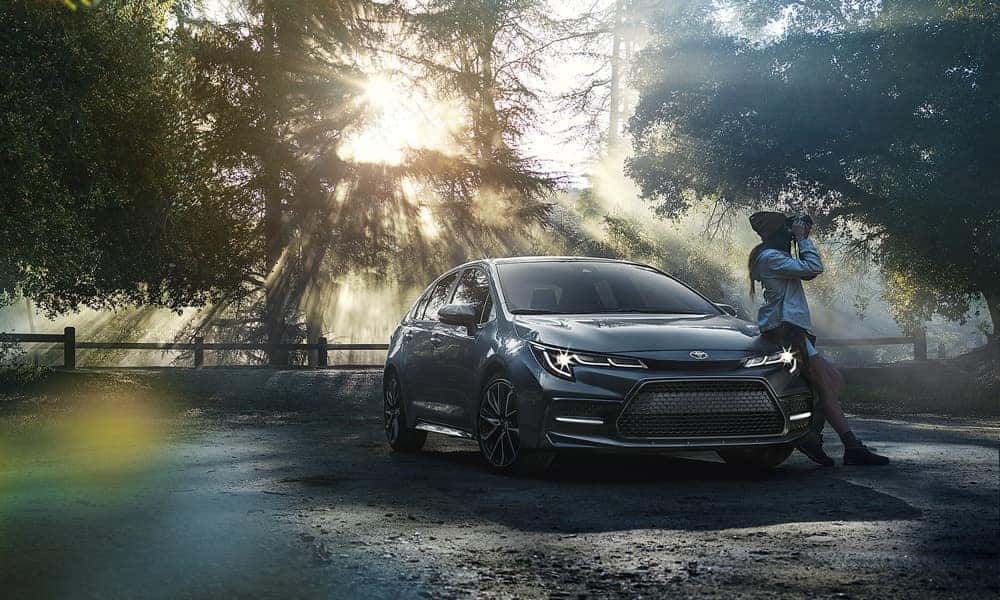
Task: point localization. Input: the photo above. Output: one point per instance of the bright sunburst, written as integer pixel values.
(403, 119)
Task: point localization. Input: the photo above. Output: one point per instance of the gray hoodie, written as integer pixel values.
(781, 275)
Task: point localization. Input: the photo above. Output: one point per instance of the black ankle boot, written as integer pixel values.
(812, 446)
(861, 455)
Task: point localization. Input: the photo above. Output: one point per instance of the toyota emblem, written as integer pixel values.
(698, 354)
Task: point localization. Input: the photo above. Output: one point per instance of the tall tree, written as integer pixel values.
(484, 53)
(880, 116)
(276, 91)
(605, 37)
(283, 93)
(104, 200)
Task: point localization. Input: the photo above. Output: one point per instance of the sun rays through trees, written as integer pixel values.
(267, 169)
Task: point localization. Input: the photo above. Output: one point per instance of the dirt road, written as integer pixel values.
(255, 483)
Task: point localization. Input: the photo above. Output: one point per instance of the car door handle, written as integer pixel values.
(407, 335)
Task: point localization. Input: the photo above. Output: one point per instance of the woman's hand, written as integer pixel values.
(800, 231)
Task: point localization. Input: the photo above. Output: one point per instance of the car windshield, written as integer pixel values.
(583, 287)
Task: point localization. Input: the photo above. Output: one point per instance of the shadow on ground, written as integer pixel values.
(598, 493)
(279, 484)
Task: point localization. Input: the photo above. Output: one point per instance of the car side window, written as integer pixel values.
(474, 288)
(439, 296)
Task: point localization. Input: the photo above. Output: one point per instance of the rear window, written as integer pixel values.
(581, 287)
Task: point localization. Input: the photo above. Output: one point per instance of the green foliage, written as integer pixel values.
(103, 200)
(274, 95)
(11, 353)
(279, 94)
(588, 204)
(485, 54)
(880, 118)
(681, 258)
(14, 368)
(22, 375)
(630, 239)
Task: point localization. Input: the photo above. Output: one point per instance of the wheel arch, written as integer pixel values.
(389, 369)
(492, 369)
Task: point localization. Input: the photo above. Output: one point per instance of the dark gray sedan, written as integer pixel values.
(534, 355)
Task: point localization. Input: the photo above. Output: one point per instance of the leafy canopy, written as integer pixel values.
(880, 117)
(104, 200)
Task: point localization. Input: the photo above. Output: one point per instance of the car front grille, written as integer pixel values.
(711, 408)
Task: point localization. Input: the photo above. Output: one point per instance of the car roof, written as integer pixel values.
(543, 258)
(529, 259)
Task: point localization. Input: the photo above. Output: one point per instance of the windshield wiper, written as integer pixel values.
(534, 311)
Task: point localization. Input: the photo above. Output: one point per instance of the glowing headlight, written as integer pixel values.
(785, 357)
(560, 362)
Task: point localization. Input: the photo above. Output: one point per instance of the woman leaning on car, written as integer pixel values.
(784, 319)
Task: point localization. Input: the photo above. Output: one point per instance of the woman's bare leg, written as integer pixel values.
(830, 383)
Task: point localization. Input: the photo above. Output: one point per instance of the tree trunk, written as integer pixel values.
(275, 296)
(314, 331)
(30, 313)
(993, 304)
(487, 127)
(615, 101)
(314, 317)
(274, 288)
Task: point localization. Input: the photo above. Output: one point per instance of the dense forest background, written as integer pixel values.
(265, 170)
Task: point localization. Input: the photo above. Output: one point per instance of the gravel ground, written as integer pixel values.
(255, 483)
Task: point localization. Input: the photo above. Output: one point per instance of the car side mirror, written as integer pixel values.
(726, 308)
(459, 314)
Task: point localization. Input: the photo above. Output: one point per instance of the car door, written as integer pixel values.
(459, 350)
(415, 345)
(422, 371)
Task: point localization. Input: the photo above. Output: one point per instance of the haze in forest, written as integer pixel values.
(552, 160)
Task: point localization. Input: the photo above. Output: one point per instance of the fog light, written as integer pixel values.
(580, 420)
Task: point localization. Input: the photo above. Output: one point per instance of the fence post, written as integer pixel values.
(920, 344)
(199, 352)
(321, 355)
(941, 351)
(69, 347)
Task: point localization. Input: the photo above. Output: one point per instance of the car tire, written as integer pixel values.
(498, 432)
(767, 457)
(400, 437)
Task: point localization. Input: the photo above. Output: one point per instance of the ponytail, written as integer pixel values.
(750, 261)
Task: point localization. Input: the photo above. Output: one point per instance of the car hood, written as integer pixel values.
(642, 333)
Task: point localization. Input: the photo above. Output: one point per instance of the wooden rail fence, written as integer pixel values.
(198, 346)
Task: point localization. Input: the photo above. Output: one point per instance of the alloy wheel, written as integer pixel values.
(390, 406)
(499, 436)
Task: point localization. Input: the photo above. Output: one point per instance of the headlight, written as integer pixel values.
(785, 357)
(560, 362)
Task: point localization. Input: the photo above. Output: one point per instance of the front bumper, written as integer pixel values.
(585, 414)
